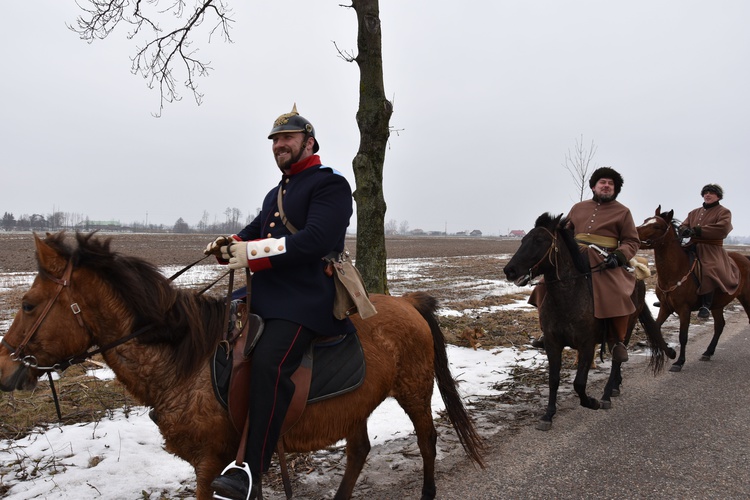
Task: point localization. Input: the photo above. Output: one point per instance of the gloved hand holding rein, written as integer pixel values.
(615, 259)
(214, 248)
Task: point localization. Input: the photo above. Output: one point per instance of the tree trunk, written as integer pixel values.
(373, 117)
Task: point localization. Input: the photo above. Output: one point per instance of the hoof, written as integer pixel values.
(615, 393)
(705, 357)
(671, 353)
(675, 368)
(606, 405)
(543, 425)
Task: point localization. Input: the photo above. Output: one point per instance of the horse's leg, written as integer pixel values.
(664, 313)
(684, 326)
(719, 323)
(585, 356)
(357, 449)
(421, 416)
(554, 360)
(612, 389)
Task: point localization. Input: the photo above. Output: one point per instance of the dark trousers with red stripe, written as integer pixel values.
(277, 355)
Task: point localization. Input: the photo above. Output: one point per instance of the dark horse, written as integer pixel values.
(89, 295)
(677, 280)
(567, 314)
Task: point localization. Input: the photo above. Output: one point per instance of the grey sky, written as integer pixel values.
(489, 97)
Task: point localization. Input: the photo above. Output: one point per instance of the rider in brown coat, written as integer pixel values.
(707, 226)
(605, 230)
(604, 224)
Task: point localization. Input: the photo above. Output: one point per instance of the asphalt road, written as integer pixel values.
(677, 435)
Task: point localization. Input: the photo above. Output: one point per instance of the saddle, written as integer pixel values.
(331, 367)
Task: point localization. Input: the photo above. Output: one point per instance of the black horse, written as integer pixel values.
(567, 313)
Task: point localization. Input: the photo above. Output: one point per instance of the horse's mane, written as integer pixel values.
(564, 228)
(189, 323)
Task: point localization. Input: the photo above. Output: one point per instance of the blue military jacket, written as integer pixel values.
(293, 285)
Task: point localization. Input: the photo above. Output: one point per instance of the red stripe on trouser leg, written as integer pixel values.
(277, 355)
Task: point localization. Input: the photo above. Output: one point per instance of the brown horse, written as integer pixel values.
(567, 314)
(677, 281)
(88, 295)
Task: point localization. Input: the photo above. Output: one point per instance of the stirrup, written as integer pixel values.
(246, 469)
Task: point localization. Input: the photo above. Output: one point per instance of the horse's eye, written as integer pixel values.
(27, 307)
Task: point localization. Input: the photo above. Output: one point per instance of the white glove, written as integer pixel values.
(215, 246)
(236, 253)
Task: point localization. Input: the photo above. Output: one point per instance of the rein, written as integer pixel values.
(555, 250)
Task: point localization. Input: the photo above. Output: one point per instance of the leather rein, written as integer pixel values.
(552, 254)
(31, 361)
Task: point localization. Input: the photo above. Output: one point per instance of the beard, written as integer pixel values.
(604, 198)
(293, 158)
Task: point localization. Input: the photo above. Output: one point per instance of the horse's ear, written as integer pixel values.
(48, 258)
(658, 211)
(670, 214)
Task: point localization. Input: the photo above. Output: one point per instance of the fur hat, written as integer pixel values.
(713, 188)
(607, 173)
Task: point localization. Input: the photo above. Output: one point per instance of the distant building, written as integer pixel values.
(475, 232)
(517, 233)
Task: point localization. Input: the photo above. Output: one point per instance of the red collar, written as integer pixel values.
(310, 161)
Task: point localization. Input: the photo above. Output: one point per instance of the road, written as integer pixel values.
(678, 435)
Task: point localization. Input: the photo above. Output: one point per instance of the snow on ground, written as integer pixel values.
(122, 456)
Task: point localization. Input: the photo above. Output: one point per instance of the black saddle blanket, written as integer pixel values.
(337, 368)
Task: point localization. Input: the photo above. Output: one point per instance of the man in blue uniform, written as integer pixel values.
(290, 289)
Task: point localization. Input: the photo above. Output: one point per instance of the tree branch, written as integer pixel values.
(166, 51)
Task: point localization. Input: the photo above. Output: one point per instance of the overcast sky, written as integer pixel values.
(489, 97)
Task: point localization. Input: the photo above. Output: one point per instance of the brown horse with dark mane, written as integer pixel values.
(567, 314)
(88, 295)
(677, 280)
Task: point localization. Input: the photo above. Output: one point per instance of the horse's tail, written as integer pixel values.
(656, 341)
(457, 414)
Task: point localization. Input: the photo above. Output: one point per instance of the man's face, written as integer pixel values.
(288, 148)
(604, 189)
(710, 197)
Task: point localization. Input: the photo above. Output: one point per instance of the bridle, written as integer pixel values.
(29, 360)
(551, 254)
(650, 242)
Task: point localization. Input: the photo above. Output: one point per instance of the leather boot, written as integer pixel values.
(705, 311)
(234, 484)
(620, 353)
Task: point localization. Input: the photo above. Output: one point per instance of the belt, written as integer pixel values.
(605, 242)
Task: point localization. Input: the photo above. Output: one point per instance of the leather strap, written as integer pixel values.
(286, 222)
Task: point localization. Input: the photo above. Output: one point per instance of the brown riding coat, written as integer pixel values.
(612, 287)
(718, 270)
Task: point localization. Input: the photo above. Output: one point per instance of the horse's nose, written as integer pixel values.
(510, 273)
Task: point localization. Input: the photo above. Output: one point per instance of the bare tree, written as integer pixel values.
(391, 227)
(373, 119)
(578, 164)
